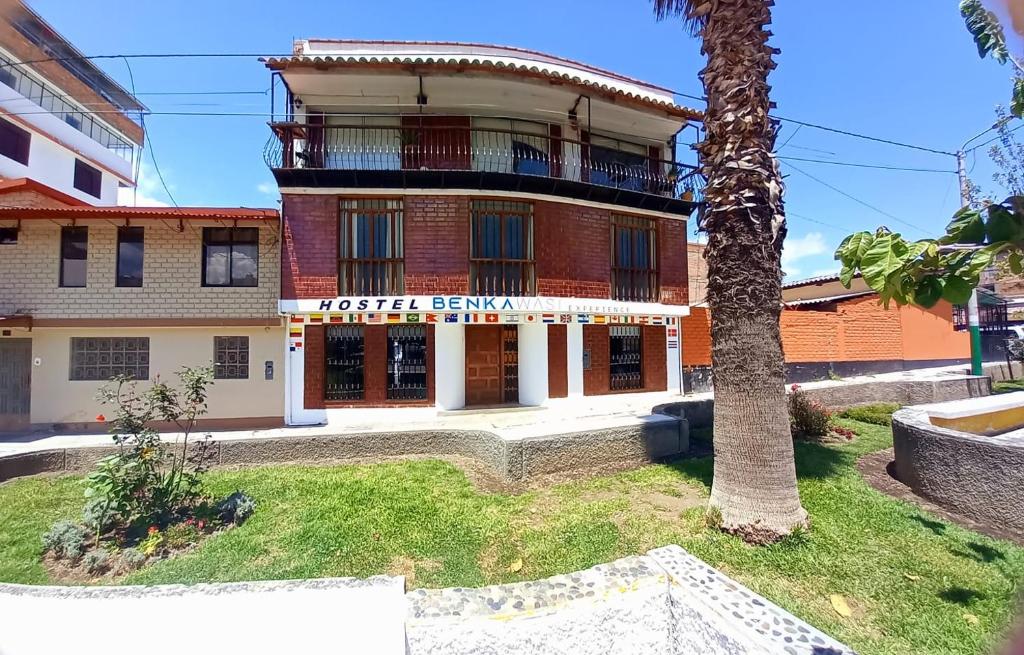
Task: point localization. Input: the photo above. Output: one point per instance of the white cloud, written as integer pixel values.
(267, 188)
(795, 249)
(148, 191)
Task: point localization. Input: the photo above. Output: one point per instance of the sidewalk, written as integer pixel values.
(560, 416)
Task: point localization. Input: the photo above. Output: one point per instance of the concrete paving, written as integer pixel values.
(559, 416)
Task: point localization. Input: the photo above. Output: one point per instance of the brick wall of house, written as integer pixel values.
(696, 337)
(654, 354)
(436, 245)
(172, 275)
(313, 374)
(597, 378)
(572, 250)
(558, 365)
(28, 198)
(672, 252)
(55, 73)
(309, 258)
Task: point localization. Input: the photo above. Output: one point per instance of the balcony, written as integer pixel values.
(450, 154)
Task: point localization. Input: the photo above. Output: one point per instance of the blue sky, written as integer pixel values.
(906, 71)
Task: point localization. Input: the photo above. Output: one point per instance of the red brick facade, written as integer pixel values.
(436, 245)
(571, 248)
(558, 361)
(597, 379)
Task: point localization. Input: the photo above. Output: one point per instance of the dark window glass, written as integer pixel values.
(8, 236)
(231, 358)
(371, 250)
(501, 249)
(626, 360)
(74, 248)
(88, 179)
(130, 250)
(624, 170)
(101, 358)
(344, 351)
(407, 362)
(14, 142)
(634, 260)
(7, 77)
(231, 256)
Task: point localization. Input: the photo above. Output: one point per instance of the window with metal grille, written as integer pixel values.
(510, 363)
(130, 250)
(407, 362)
(372, 251)
(634, 259)
(88, 179)
(501, 249)
(101, 358)
(626, 358)
(344, 355)
(74, 248)
(231, 358)
(231, 256)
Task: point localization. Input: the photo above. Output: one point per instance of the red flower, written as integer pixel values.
(101, 418)
(795, 387)
(201, 524)
(153, 529)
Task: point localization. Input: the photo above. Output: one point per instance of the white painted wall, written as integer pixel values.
(450, 366)
(52, 163)
(533, 364)
(673, 357)
(574, 355)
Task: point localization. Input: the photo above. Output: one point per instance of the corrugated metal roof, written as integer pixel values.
(827, 299)
(582, 79)
(811, 280)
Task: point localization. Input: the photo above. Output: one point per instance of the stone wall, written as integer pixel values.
(979, 477)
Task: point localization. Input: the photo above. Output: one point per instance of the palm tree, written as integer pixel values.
(754, 487)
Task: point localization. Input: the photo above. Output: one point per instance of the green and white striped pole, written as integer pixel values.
(973, 320)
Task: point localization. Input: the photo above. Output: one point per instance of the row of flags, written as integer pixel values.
(596, 319)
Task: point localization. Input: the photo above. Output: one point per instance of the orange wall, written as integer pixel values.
(856, 330)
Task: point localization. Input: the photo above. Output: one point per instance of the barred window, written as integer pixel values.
(101, 358)
(501, 249)
(626, 358)
(634, 259)
(344, 362)
(371, 252)
(407, 362)
(231, 358)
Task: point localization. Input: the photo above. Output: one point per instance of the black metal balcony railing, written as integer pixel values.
(460, 148)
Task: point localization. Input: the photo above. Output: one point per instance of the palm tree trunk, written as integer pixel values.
(754, 486)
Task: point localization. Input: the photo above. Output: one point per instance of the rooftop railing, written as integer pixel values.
(463, 148)
(53, 102)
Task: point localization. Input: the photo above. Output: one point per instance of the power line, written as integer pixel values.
(878, 166)
(865, 136)
(995, 138)
(856, 199)
(816, 221)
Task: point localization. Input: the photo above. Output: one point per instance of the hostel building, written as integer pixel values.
(469, 226)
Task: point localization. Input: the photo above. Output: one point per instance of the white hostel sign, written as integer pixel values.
(523, 305)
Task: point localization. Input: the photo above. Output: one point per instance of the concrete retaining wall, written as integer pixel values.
(978, 477)
(512, 461)
(666, 602)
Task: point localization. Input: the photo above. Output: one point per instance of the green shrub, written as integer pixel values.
(179, 535)
(132, 558)
(96, 561)
(807, 418)
(66, 540)
(877, 414)
(236, 508)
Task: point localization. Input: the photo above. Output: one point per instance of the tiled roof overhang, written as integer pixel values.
(155, 213)
(480, 64)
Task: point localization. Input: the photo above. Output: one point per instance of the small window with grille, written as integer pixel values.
(371, 254)
(626, 358)
(101, 358)
(501, 249)
(231, 358)
(345, 353)
(407, 362)
(634, 259)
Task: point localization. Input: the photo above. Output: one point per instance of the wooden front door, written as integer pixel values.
(15, 383)
(492, 365)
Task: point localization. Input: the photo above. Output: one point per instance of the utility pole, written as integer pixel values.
(973, 321)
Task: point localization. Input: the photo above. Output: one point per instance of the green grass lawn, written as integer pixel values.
(915, 584)
(1008, 386)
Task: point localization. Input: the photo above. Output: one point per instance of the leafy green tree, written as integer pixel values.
(990, 38)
